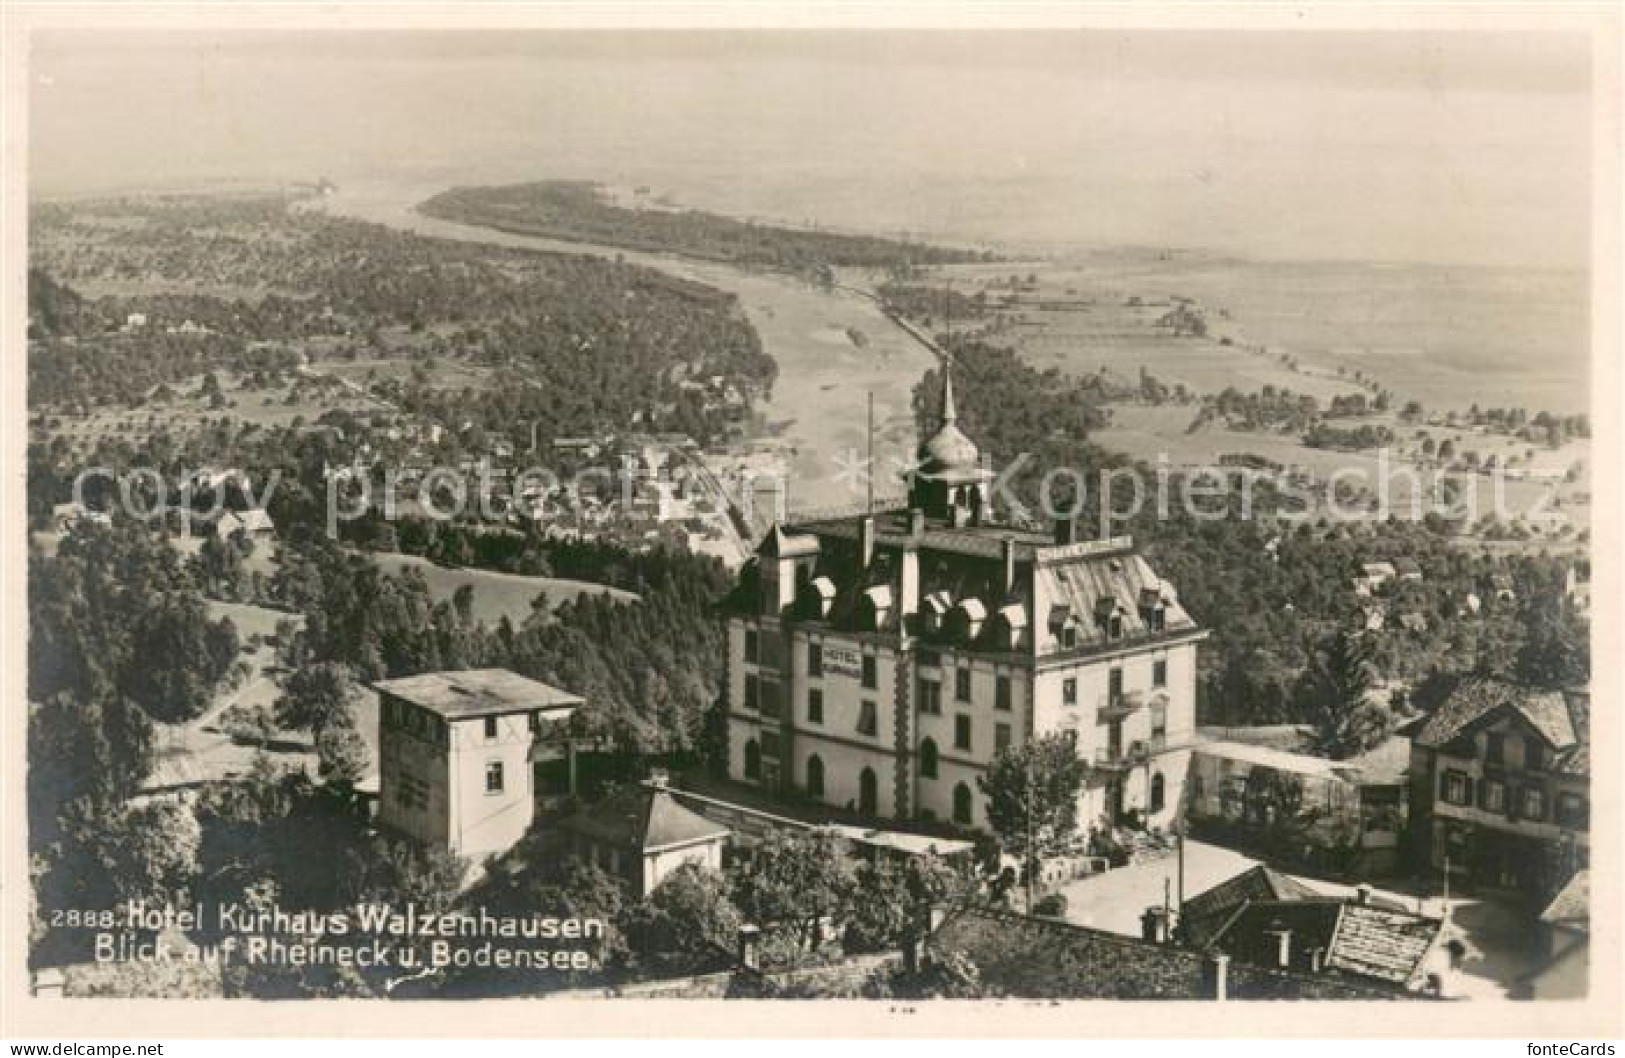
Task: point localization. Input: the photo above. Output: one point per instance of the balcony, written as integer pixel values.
(1125, 757)
(1117, 706)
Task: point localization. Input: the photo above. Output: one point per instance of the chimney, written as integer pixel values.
(866, 544)
(1066, 529)
(1008, 551)
(916, 521)
(1362, 895)
(750, 938)
(1218, 976)
(1154, 925)
(1283, 940)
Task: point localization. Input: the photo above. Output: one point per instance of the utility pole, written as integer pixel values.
(1032, 858)
(869, 477)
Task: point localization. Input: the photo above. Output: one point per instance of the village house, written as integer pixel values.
(1037, 958)
(462, 756)
(1263, 918)
(878, 662)
(1501, 786)
(641, 834)
(1565, 939)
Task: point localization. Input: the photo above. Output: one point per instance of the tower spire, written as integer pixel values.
(949, 414)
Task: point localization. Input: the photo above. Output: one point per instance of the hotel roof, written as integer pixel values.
(460, 694)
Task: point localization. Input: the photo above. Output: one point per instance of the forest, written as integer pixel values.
(570, 343)
(576, 211)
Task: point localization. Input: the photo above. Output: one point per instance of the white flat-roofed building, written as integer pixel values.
(457, 752)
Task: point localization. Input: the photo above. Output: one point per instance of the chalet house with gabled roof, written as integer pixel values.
(1501, 786)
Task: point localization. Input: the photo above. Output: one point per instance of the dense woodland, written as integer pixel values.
(569, 343)
(575, 211)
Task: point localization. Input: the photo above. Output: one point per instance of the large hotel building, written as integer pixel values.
(878, 662)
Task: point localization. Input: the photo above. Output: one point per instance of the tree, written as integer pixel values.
(1032, 795)
(317, 696)
(1337, 687)
(341, 753)
(796, 881)
(150, 850)
(687, 924)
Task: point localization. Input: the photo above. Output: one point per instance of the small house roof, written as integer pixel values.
(461, 694)
(646, 819)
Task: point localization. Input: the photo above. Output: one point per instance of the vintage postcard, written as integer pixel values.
(962, 519)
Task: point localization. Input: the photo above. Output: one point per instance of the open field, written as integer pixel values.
(1153, 433)
(1447, 336)
(496, 595)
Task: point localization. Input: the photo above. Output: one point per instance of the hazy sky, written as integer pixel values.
(1463, 147)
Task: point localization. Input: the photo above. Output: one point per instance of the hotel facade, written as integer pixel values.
(879, 662)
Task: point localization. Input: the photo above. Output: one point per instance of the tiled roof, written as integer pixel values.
(1466, 705)
(1087, 583)
(1205, 915)
(1548, 713)
(1571, 908)
(1039, 958)
(1382, 944)
(644, 819)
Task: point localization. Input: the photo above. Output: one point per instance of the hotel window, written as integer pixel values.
(1495, 748)
(490, 727)
(1001, 693)
(1069, 636)
(1001, 737)
(1114, 684)
(1534, 754)
(1495, 796)
(815, 659)
(930, 697)
(815, 776)
(753, 645)
(1159, 720)
(962, 732)
(871, 678)
(753, 760)
(1455, 788)
(815, 706)
(1534, 803)
(1114, 627)
(1159, 672)
(1156, 618)
(753, 693)
(928, 759)
(962, 684)
(770, 744)
(962, 805)
(867, 722)
(1069, 691)
(493, 777)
